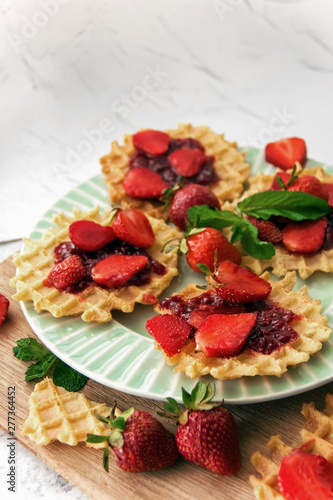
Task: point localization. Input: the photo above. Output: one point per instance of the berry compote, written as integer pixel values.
(163, 167)
(271, 331)
(115, 247)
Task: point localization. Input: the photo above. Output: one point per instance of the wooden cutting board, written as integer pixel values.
(82, 466)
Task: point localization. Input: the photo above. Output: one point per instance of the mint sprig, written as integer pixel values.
(28, 349)
(242, 229)
(295, 205)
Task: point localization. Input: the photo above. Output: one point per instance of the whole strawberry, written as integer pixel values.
(208, 247)
(267, 230)
(4, 306)
(187, 197)
(207, 433)
(138, 441)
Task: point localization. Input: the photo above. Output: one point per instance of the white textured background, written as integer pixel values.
(75, 74)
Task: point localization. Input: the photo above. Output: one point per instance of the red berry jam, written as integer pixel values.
(163, 167)
(271, 331)
(115, 247)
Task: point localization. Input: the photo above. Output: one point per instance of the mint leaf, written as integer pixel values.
(65, 376)
(295, 205)
(29, 349)
(242, 229)
(41, 367)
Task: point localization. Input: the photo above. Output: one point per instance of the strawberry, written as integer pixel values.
(207, 433)
(241, 285)
(132, 226)
(4, 306)
(267, 230)
(67, 273)
(170, 331)
(208, 247)
(116, 270)
(311, 185)
(305, 476)
(186, 161)
(152, 142)
(187, 197)
(223, 335)
(284, 176)
(143, 182)
(329, 189)
(89, 236)
(286, 152)
(198, 316)
(306, 236)
(138, 441)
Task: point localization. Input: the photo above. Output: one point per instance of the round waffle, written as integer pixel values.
(229, 164)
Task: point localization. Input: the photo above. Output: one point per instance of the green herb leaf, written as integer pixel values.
(65, 376)
(242, 229)
(41, 367)
(106, 459)
(29, 349)
(93, 438)
(295, 205)
(204, 269)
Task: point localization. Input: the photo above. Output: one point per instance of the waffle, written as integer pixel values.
(229, 165)
(283, 260)
(94, 303)
(312, 331)
(317, 434)
(59, 415)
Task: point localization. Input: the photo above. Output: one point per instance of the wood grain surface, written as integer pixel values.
(82, 466)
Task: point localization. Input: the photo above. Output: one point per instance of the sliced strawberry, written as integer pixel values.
(286, 152)
(284, 176)
(132, 226)
(198, 316)
(242, 285)
(66, 273)
(311, 185)
(306, 236)
(305, 476)
(186, 161)
(267, 230)
(223, 335)
(90, 236)
(143, 182)
(204, 246)
(152, 142)
(170, 331)
(4, 306)
(116, 270)
(329, 189)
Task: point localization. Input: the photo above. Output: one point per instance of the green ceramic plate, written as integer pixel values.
(121, 354)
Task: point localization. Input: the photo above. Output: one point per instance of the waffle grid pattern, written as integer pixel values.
(230, 166)
(316, 438)
(312, 330)
(58, 415)
(95, 303)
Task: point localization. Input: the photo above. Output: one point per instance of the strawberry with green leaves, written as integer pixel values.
(207, 433)
(137, 440)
